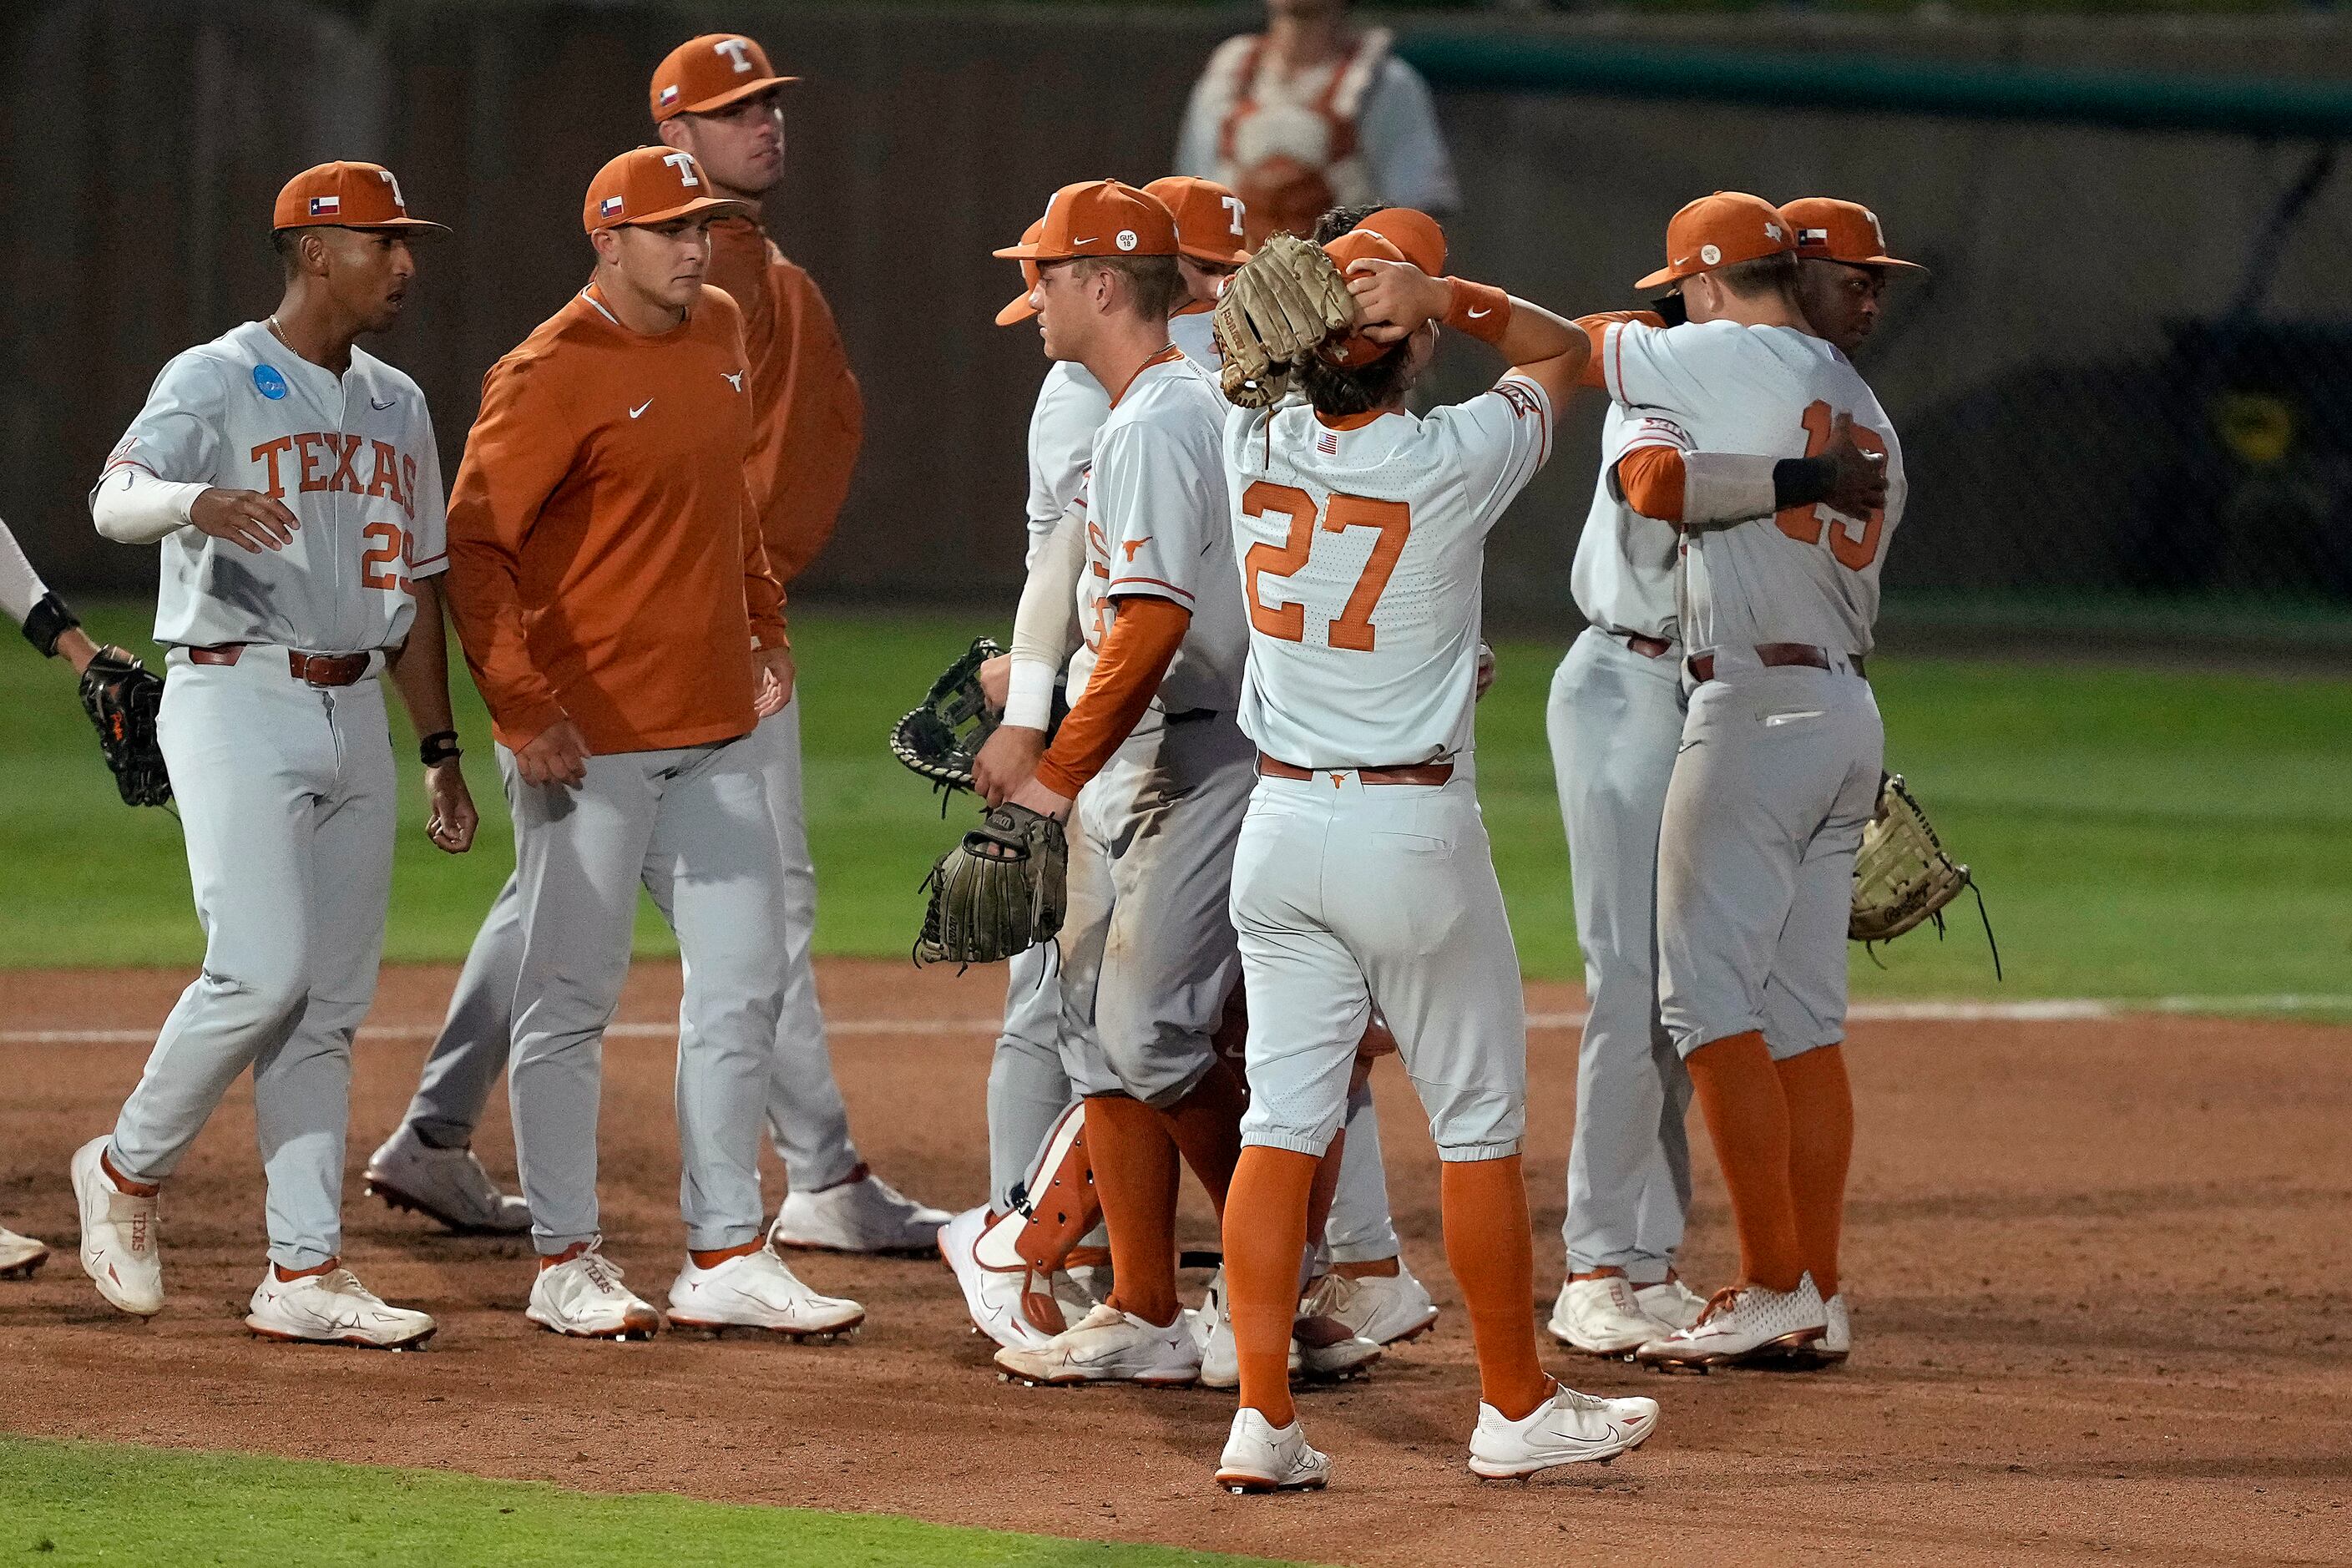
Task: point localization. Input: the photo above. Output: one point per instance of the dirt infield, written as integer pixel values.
(2100, 1270)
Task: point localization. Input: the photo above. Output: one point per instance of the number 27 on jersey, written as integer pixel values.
(1352, 630)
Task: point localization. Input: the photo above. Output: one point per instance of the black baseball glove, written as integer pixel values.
(939, 739)
(122, 696)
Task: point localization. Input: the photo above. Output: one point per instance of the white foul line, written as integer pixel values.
(2048, 1010)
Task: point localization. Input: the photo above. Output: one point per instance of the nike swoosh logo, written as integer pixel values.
(1088, 241)
(1772, 718)
(1474, 315)
(380, 407)
(641, 407)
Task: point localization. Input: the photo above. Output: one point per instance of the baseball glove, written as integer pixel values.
(1277, 310)
(1903, 876)
(939, 739)
(122, 695)
(998, 892)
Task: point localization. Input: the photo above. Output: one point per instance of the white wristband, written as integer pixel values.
(1029, 694)
(131, 506)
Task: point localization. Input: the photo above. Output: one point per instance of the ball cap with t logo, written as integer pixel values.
(347, 195)
(1721, 230)
(1831, 230)
(654, 185)
(1208, 218)
(705, 75)
(1099, 218)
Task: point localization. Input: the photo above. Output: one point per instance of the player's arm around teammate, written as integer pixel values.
(1363, 877)
(294, 486)
(616, 605)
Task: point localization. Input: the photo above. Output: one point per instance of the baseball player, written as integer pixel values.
(1364, 879)
(1210, 222)
(613, 594)
(1615, 720)
(1757, 440)
(1311, 114)
(716, 98)
(1146, 950)
(293, 485)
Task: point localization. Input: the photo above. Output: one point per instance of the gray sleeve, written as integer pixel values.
(177, 436)
(20, 586)
(1403, 144)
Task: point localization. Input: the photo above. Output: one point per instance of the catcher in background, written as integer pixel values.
(1312, 114)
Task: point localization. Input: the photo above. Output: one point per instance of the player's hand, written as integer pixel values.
(556, 756)
(1042, 800)
(1394, 297)
(774, 680)
(1006, 761)
(246, 518)
(1859, 487)
(449, 816)
(1485, 670)
(997, 680)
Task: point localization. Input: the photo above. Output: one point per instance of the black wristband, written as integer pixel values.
(47, 621)
(1801, 481)
(441, 746)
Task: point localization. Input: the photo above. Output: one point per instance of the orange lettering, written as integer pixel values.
(1286, 621)
(1353, 631)
(345, 448)
(385, 483)
(377, 565)
(1805, 523)
(269, 452)
(408, 486)
(305, 444)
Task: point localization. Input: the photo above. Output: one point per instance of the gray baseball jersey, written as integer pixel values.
(1071, 407)
(352, 456)
(1807, 574)
(1623, 574)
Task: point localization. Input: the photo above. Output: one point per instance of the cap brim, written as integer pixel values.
(1661, 277)
(1025, 251)
(1233, 257)
(1018, 311)
(392, 224)
(700, 206)
(733, 95)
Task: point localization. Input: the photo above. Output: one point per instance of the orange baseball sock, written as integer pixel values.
(1207, 1126)
(1493, 1257)
(1136, 1173)
(1820, 1146)
(713, 1257)
(1265, 1231)
(1747, 1119)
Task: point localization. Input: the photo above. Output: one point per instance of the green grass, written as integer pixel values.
(2141, 834)
(89, 1502)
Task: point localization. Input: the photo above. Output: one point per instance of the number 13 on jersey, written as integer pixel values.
(1352, 630)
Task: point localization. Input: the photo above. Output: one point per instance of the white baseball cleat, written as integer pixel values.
(447, 1186)
(864, 1214)
(119, 1250)
(1324, 1349)
(1837, 1337)
(20, 1255)
(1385, 1310)
(1670, 1301)
(1109, 1346)
(1568, 1429)
(1743, 1322)
(754, 1290)
(1260, 1458)
(1604, 1317)
(583, 1297)
(1006, 1304)
(333, 1309)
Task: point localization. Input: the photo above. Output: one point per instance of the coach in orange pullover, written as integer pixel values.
(612, 593)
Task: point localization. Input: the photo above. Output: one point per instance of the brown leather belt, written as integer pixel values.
(311, 668)
(1410, 773)
(1648, 648)
(1702, 665)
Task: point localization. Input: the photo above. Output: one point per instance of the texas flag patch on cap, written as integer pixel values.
(326, 206)
(669, 95)
(608, 206)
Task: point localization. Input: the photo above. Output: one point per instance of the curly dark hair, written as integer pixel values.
(1339, 391)
(1339, 220)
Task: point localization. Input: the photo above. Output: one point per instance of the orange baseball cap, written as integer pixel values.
(1831, 230)
(1360, 244)
(1098, 217)
(653, 184)
(1021, 309)
(1721, 230)
(346, 195)
(1208, 218)
(1415, 233)
(704, 75)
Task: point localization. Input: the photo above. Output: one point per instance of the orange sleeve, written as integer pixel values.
(1143, 641)
(1652, 480)
(822, 417)
(521, 448)
(1597, 328)
(763, 595)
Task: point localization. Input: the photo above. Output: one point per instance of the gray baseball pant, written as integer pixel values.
(1028, 1087)
(286, 798)
(693, 825)
(806, 1117)
(1615, 719)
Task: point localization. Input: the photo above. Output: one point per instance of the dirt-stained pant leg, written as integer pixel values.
(1615, 719)
(287, 796)
(1777, 776)
(1346, 895)
(693, 826)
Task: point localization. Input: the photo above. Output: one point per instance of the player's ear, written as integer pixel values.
(674, 133)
